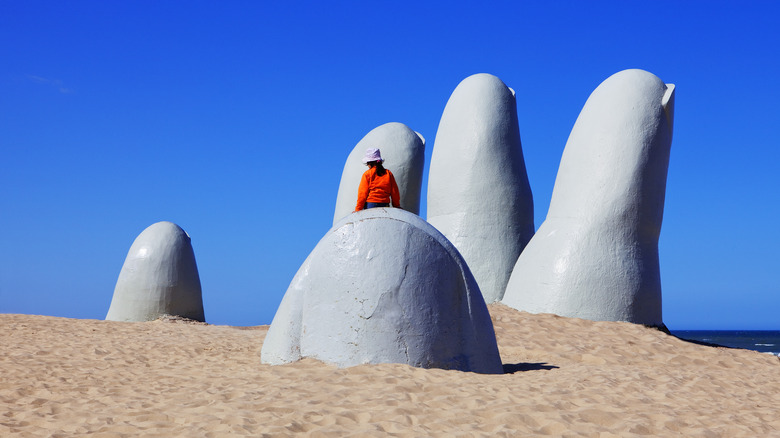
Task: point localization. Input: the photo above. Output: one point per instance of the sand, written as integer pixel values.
(566, 377)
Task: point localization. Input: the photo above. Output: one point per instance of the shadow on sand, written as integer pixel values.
(511, 368)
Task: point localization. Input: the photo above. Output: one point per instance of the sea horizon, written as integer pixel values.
(763, 341)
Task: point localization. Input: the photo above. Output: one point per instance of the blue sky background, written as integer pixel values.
(233, 119)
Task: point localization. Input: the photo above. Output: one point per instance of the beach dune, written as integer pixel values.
(564, 377)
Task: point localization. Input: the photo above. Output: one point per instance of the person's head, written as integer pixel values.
(372, 157)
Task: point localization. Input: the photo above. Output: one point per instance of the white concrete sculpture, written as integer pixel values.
(383, 286)
(159, 277)
(404, 154)
(596, 254)
(478, 191)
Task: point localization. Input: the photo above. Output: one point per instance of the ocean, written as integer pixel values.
(764, 341)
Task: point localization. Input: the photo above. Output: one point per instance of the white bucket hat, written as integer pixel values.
(372, 154)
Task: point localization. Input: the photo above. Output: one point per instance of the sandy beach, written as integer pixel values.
(565, 377)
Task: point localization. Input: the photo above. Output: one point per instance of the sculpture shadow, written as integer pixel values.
(511, 368)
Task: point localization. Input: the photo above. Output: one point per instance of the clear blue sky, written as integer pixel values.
(233, 119)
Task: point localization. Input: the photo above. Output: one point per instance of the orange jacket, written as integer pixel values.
(375, 188)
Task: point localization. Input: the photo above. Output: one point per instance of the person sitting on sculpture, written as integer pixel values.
(377, 185)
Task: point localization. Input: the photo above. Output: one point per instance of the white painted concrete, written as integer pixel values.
(596, 254)
(383, 286)
(159, 277)
(404, 153)
(478, 191)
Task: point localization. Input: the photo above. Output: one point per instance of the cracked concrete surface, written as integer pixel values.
(413, 301)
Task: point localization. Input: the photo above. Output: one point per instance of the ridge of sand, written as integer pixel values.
(566, 377)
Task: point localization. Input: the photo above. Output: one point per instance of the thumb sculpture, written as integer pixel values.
(596, 254)
(478, 191)
(159, 277)
(404, 154)
(383, 286)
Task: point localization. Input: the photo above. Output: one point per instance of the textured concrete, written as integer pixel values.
(478, 191)
(383, 286)
(159, 277)
(596, 254)
(404, 153)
